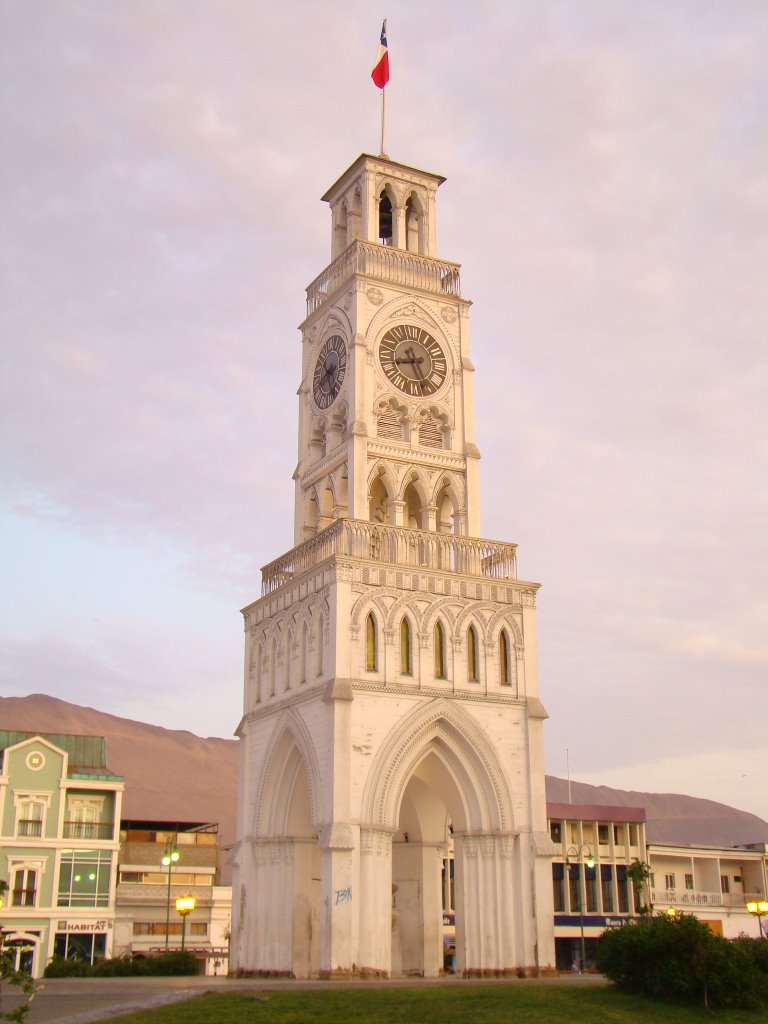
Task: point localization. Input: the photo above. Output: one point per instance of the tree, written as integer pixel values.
(9, 974)
(639, 874)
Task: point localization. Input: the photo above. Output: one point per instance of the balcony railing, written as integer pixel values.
(30, 827)
(384, 263)
(393, 545)
(89, 830)
(698, 898)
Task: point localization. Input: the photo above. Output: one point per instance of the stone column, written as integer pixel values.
(338, 892)
(375, 903)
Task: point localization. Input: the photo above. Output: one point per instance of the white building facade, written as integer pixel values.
(391, 701)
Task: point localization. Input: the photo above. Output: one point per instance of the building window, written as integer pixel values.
(84, 878)
(590, 884)
(370, 644)
(556, 831)
(558, 888)
(24, 887)
(602, 835)
(503, 658)
(606, 887)
(439, 645)
(472, 673)
(174, 928)
(80, 946)
(622, 889)
(669, 881)
(30, 820)
(161, 878)
(725, 885)
(405, 647)
(574, 891)
(83, 823)
(689, 881)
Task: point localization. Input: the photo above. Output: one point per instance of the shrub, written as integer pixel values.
(175, 962)
(681, 960)
(60, 967)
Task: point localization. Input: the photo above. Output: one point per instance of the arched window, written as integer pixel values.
(503, 658)
(287, 676)
(303, 655)
(272, 669)
(385, 219)
(405, 647)
(320, 631)
(439, 645)
(472, 673)
(257, 675)
(370, 644)
(24, 888)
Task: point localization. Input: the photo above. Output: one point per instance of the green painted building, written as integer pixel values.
(59, 840)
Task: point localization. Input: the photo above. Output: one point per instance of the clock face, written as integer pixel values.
(412, 360)
(329, 371)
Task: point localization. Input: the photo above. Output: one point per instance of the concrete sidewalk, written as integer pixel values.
(87, 1000)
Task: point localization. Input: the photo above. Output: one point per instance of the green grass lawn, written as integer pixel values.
(481, 1004)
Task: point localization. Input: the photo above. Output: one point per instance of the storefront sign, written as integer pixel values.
(84, 926)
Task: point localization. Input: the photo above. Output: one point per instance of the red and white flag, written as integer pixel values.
(380, 73)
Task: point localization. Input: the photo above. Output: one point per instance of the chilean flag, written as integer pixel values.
(380, 73)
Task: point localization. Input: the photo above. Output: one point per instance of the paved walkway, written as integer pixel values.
(87, 1000)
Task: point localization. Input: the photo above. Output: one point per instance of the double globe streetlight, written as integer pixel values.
(170, 857)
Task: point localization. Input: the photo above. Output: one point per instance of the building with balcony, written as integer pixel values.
(147, 922)
(594, 846)
(714, 884)
(59, 837)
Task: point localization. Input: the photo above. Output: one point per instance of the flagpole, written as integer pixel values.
(383, 108)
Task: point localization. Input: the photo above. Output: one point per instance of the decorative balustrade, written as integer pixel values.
(30, 827)
(396, 266)
(698, 898)
(393, 545)
(88, 830)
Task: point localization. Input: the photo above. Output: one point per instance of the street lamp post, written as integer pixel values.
(578, 851)
(170, 857)
(185, 905)
(759, 908)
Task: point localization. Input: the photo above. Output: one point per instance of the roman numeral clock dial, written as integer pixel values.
(329, 371)
(412, 360)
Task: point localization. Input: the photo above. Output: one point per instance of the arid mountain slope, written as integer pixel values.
(180, 777)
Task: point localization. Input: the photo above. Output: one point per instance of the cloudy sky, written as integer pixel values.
(607, 196)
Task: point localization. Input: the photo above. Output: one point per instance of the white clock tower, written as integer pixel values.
(391, 742)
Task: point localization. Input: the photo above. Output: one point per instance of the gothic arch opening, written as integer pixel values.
(386, 219)
(437, 783)
(340, 233)
(414, 224)
(288, 858)
(379, 501)
(413, 510)
(447, 519)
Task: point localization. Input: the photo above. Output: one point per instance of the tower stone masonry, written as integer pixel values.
(391, 754)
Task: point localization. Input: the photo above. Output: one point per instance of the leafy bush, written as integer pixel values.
(174, 963)
(681, 960)
(60, 967)
(118, 967)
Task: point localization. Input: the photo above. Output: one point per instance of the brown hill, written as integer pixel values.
(179, 777)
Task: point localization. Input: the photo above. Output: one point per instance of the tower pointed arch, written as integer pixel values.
(474, 787)
(290, 751)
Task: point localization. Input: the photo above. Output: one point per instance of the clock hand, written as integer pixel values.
(416, 362)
